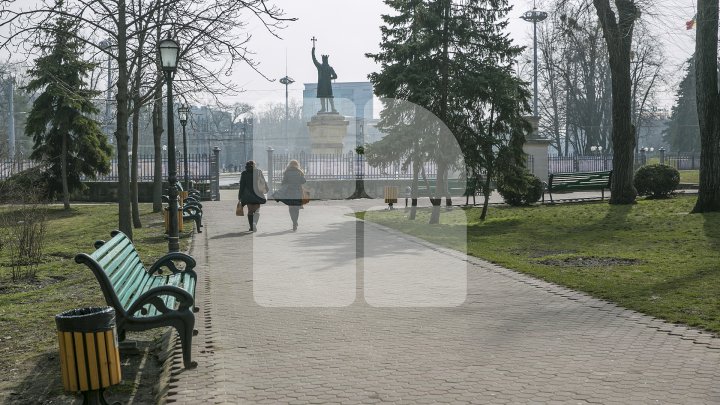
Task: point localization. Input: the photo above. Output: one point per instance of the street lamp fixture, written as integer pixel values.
(534, 16)
(169, 51)
(183, 112)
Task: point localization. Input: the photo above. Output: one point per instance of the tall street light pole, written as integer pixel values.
(287, 81)
(183, 111)
(169, 52)
(534, 17)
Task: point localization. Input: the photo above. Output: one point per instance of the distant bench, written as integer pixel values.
(569, 182)
(162, 295)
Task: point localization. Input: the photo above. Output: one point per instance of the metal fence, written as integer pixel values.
(350, 165)
(344, 166)
(570, 164)
(199, 168)
(683, 161)
(10, 167)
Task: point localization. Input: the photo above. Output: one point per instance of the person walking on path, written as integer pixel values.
(291, 190)
(252, 188)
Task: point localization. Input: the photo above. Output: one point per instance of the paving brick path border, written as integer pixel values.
(516, 339)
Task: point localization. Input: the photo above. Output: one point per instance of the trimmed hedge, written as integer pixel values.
(656, 181)
(520, 188)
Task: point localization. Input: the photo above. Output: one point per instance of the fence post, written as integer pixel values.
(692, 161)
(271, 169)
(215, 175)
(576, 163)
(643, 157)
(605, 165)
(662, 156)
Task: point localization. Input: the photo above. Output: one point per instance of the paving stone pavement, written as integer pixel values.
(513, 339)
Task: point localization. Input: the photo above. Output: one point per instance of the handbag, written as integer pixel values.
(262, 185)
(239, 209)
(305, 197)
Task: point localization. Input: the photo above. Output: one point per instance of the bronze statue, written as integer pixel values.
(325, 76)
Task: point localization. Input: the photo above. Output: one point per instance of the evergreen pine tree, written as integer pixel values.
(683, 132)
(451, 58)
(67, 140)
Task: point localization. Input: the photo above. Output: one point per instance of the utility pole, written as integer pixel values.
(534, 17)
(287, 81)
(11, 117)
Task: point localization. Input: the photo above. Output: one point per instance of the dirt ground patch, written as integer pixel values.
(37, 380)
(590, 262)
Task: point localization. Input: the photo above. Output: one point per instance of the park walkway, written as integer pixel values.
(302, 318)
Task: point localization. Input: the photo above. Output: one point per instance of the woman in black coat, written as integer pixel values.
(252, 188)
(291, 191)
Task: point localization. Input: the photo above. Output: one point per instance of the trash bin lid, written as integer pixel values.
(95, 319)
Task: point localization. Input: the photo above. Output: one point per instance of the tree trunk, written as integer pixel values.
(121, 132)
(708, 101)
(414, 189)
(137, 223)
(440, 185)
(157, 144)
(64, 172)
(618, 36)
(486, 196)
(157, 128)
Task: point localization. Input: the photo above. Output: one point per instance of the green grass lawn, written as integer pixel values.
(27, 308)
(690, 176)
(653, 256)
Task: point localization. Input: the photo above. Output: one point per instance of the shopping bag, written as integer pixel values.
(239, 209)
(305, 197)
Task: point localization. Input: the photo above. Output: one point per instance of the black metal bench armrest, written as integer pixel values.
(191, 210)
(152, 297)
(168, 261)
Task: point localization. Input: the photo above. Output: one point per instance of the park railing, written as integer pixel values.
(11, 167)
(579, 163)
(344, 166)
(683, 161)
(199, 169)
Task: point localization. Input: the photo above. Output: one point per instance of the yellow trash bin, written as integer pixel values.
(89, 356)
(166, 215)
(391, 195)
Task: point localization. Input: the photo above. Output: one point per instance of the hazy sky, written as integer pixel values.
(347, 29)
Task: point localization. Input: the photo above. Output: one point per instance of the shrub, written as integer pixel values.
(520, 187)
(19, 187)
(24, 226)
(656, 181)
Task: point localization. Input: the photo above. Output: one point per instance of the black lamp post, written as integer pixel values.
(169, 52)
(183, 111)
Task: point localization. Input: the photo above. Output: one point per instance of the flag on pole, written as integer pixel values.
(691, 24)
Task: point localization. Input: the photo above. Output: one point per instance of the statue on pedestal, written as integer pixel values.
(325, 76)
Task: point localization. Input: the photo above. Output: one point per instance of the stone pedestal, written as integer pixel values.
(327, 131)
(537, 147)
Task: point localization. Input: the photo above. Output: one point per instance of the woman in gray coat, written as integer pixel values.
(291, 191)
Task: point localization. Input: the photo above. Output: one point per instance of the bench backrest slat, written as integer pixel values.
(559, 181)
(131, 284)
(123, 268)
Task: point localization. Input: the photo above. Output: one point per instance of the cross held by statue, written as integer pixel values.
(313, 39)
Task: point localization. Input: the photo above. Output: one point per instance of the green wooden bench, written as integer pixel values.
(568, 182)
(456, 188)
(162, 295)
